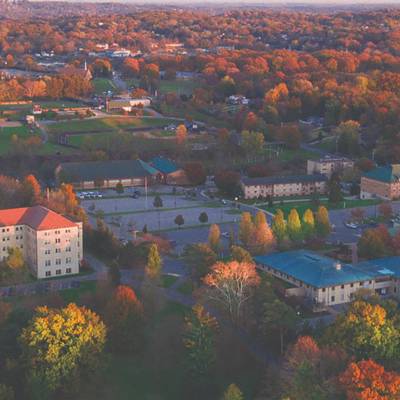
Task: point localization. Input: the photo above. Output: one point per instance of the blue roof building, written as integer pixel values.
(168, 171)
(328, 281)
(164, 165)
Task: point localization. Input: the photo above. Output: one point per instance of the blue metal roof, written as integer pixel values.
(313, 269)
(379, 267)
(164, 165)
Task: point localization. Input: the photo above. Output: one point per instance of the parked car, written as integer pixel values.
(351, 225)
(225, 235)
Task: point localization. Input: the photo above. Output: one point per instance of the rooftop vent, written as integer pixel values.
(337, 265)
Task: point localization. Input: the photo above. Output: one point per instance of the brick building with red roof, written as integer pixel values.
(51, 243)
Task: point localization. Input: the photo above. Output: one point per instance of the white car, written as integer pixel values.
(225, 235)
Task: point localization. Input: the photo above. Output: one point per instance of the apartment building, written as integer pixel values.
(328, 165)
(382, 182)
(51, 244)
(327, 282)
(284, 186)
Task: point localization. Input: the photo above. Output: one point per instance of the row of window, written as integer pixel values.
(57, 232)
(58, 272)
(68, 260)
(48, 251)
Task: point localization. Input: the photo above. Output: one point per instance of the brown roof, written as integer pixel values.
(38, 217)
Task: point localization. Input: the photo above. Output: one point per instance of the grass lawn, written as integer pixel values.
(327, 144)
(294, 154)
(168, 280)
(102, 85)
(179, 86)
(74, 295)
(105, 124)
(302, 206)
(186, 288)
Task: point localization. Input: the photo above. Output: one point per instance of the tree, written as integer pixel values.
(231, 285)
(263, 239)
(179, 220)
(252, 143)
(214, 238)
(279, 225)
(196, 173)
(227, 182)
(203, 217)
(32, 189)
(6, 392)
(357, 214)
(365, 331)
(154, 263)
(323, 223)
(385, 210)
(280, 317)
(119, 188)
(15, 259)
(199, 341)
(240, 254)
(233, 393)
(246, 229)
(371, 244)
(125, 320)
(61, 345)
(158, 203)
(294, 225)
(368, 380)
(114, 273)
(335, 192)
(308, 225)
(181, 134)
(199, 258)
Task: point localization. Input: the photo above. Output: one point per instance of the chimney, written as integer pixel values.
(354, 253)
(337, 265)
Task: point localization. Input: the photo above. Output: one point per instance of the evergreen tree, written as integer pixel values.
(322, 221)
(279, 226)
(214, 238)
(114, 273)
(294, 225)
(154, 263)
(203, 218)
(335, 192)
(246, 228)
(233, 393)
(308, 223)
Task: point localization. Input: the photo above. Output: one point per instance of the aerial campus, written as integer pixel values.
(199, 201)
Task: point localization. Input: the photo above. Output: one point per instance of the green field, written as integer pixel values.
(23, 133)
(106, 124)
(43, 103)
(102, 85)
(302, 206)
(178, 86)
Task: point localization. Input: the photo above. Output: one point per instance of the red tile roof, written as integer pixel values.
(38, 217)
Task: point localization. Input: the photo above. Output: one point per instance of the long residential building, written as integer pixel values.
(382, 182)
(326, 282)
(284, 186)
(328, 165)
(106, 174)
(50, 243)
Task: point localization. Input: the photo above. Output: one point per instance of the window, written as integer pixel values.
(58, 261)
(68, 270)
(47, 263)
(323, 290)
(48, 273)
(58, 250)
(58, 240)
(47, 252)
(333, 288)
(68, 260)
(68, 249)
(332, 299)
(361, 283)
(342, 286)
(58, 271)
(351, 284)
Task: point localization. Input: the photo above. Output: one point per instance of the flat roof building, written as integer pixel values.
(382, 182)
(326, 281)
(328, 165)
(50, 243)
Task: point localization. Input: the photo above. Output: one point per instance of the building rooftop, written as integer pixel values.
(38, 217)
(381, 267)
(92, 170)
(313, 269)
(270, 180)
(164, 165)
(388, 174)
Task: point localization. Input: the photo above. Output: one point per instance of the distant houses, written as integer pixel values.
(381, 182)
(328, 165)
(126, 104)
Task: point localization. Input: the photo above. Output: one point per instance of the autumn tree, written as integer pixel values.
(263, 239)
(196, 173)
(124, 318)
(199, 341)
(214, 238)
(308, 225)
(231, 285)
(154, 263)
(227, 182)
(246, 229)
(252, 143)
(181, 134)
(368, 380)
(385, 210)
(32, 189)
(371, 244)
(294, 225)
(199, 258)
(323, 224)
(240, 255)
(233, 393)
(59, 346)
(279, 225)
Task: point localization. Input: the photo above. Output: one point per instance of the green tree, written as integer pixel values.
(323, 223)
(154, 263)
(233, 393)
(203, 218)
(279, 225)
(240, 254)
(308, 224)
(214, 238)
(199, 258)
(252, 143)
(199, 341)
(59, 346)
(158, 203)
(179, 220)
(119, 188)
(246, 229)
(15, 259)
(6, 392)
(278, 316)
(114, 273)
(294, 225)
(335, 192)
